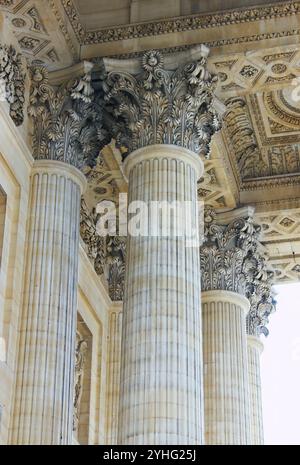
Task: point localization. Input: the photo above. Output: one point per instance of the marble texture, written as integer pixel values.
(161, 398)
(226, 383)
(44, 386)
(254, 350)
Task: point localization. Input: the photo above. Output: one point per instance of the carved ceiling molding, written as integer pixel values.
(270, 183)
(30, 22)
(64, 29)
(281, 237)
(287, 269)
(241, 138)
(280, 225)
(260, 148)
(212, 186)
(260, 70)
(268, 103)
(179, 24)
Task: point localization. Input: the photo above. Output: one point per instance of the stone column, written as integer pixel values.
(159, 121)
(255, 348)
(230, 239)
(226, 387)
(45, 376)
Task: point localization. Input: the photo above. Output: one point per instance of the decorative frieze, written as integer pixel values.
(67, 119)
(160, 106)
(12, 82)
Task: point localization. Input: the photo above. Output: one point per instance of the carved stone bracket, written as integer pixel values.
(12, 82)
(156, 105)
(67, 119)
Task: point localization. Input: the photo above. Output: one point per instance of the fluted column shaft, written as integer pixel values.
(44, 391)
(161, 369)
(226, 388)
(255, 348)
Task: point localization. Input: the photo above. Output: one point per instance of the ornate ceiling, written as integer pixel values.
(255, 51)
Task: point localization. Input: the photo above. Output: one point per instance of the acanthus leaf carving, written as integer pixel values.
(67, 119)
(107, 254)
(231, 258)
(260, 294)
(12, 82)
(158, 106)
(224, 252)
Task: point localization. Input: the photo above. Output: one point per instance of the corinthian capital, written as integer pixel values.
(228, 243)
(67, 119)
(232, 258)
(12, 82)
(163, 100)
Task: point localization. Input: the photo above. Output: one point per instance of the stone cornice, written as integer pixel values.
(270, 182)
(182, 23)
(210, 44)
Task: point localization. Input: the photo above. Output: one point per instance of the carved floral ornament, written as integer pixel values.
(12, 82)
(231, 259)
(67, 119)
(158, 106)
